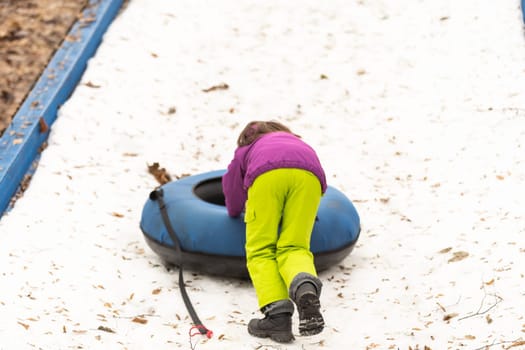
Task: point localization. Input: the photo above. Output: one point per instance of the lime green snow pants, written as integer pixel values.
(280, 214)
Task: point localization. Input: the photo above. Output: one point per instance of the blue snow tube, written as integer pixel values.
(212, 242)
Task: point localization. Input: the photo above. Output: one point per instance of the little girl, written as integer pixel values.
(278, 181)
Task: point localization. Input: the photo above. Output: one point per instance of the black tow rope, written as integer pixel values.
(158, 196)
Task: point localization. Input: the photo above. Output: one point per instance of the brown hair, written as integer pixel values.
(254, 129)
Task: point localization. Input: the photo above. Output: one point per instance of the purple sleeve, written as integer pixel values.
(232, 186)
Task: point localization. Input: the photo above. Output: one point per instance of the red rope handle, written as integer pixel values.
(200, 329)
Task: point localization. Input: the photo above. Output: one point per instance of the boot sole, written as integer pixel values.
(311, 321)
(280, 337)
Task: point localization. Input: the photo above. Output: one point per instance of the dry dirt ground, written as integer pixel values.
(30, 33)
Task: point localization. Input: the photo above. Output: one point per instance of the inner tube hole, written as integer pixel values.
(210, 191)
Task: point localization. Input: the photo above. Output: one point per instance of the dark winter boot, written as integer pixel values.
(277, 323)
(305, 290)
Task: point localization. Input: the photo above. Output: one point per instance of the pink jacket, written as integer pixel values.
(270, 151)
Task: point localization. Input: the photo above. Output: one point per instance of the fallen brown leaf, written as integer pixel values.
(26, 326)
(458, 256)
(160, 174)
(91, 85)
(105, 329)
(139, 320)
(450, 316)
(43, 125)
(517, 343)
(222, 86)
